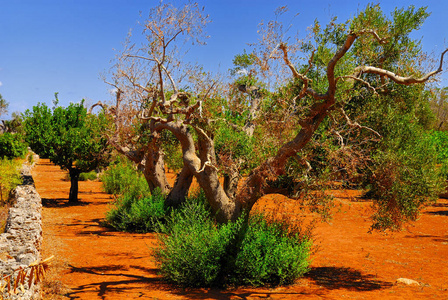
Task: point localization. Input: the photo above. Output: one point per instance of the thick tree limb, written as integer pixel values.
(399, 79)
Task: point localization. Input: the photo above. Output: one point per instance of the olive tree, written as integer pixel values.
(156, 91)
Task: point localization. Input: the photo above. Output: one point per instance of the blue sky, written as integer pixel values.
(49, 46)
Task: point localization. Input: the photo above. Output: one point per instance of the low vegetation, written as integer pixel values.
(9, 177)
(12, 145)
(135, 209)
(198, 252)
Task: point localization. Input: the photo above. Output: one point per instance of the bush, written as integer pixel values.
(440, 141)
(85, 176)
(12, 146)
(121, 177)
(197, 252)
(88, 176)
(193, 251)
(136, 209)
(9, 177)
(134, 212)
(270, 254)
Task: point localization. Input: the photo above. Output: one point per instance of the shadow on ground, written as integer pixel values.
(63, 202)
(123, 284)
(345, 278)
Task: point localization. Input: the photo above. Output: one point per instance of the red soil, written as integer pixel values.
(98, 263)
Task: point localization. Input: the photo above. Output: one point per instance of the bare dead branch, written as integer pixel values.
(304, 78)
(339, 136)
(360, 80)
(356, 124)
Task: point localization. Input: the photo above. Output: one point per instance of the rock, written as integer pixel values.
(21, 241)
(407, 281)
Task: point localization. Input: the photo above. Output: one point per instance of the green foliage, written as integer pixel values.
(121, 177)
(405, 176)
(440, 141)
(9, 177)
(270, 254)
(12, 145)
(192, 253)
(235, 145)
(69, 137)
(197, 252)
(85, 176)
(136, 209)
(137, 212)
(172, 147)
(88, 176)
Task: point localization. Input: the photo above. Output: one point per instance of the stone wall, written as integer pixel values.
(21, 241)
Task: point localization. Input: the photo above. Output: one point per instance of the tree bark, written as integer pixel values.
(180, 189)
(153, 167)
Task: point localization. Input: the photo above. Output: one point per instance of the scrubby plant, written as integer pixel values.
(270, 253)
(92, 175)
(135, 212)
(192, 253)
(122, 176)
(9, 177)
(440, 141)
(198, 252)
(12, 145)
(85, 176)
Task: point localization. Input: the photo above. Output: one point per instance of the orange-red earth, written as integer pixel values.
(95, 262)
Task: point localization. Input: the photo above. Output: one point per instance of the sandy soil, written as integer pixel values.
(93, 262)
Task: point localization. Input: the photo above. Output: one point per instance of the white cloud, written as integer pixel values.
(1, 83)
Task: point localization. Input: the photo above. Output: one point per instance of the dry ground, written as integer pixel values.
(93, 262)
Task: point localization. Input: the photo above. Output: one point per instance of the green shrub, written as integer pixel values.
(197, 252)
(88, 176)
(192, 253)
(9, 177)
(121, 177)
(440, 141)
(85, 176)
(12, 146)
(270, 254)
(134, 212)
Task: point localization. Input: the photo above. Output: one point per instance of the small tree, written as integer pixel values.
(70, 137)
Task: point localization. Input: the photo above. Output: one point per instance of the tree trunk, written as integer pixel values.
(255, 185)
(74, 179)
(179, 192)
(154, 170)
(231, 179)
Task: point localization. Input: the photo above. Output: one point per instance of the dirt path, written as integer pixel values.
(97, 263)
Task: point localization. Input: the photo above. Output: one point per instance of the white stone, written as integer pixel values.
(407, 281)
